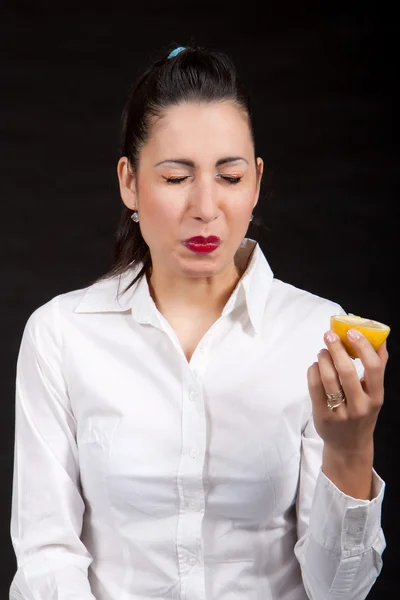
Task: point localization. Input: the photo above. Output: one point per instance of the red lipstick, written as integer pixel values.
(202, 245)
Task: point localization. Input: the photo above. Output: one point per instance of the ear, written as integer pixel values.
(260, 168)
(127, 183)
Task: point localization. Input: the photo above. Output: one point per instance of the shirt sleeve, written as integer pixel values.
(340, 539)
(47, 507)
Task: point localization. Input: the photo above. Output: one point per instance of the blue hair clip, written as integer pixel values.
(176, 51)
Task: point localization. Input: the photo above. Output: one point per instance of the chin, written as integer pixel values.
(200, 272)
(199, 267)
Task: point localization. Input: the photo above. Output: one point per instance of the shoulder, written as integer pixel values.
(283, 300)
(300, 312)
(43, 324)
(307, 313)
(299, 299)
(47, 320)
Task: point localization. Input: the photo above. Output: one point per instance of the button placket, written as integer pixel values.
(194, 453)
(193, 395)
(190, 472)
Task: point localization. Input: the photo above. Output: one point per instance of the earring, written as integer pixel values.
(251, 218)
(135, 216)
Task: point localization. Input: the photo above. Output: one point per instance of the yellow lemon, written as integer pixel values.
(374, 331)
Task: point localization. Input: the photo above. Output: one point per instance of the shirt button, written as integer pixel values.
(191, 561)
(193, 396)
(194, 452)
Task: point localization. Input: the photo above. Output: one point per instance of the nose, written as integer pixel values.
(204, 201)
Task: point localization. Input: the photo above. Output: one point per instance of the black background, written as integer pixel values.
(323, 86)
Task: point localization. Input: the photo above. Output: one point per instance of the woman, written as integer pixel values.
(180, 433)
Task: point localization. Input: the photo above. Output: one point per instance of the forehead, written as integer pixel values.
(215, 126)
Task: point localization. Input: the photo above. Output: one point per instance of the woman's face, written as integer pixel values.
(197, 176)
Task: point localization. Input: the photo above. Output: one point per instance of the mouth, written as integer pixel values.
(202, 245)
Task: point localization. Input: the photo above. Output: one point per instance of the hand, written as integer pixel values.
(349, 428)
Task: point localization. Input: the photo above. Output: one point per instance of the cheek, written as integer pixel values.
(239, 208)
(160, 211)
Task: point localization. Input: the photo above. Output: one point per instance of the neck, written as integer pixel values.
(185, 295)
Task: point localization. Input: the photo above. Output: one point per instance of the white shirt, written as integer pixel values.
(139, 475)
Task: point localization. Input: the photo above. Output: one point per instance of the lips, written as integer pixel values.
(202, 245)
(199, 239)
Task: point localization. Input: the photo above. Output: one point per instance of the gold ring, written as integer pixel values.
(334, 398)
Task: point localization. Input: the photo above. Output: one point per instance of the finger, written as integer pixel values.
(346, 369)
(383, 354)
(318, 393)
(316, 389)
(329, 376)
(374, 362)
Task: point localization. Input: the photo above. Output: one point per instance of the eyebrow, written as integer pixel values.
(190, 163)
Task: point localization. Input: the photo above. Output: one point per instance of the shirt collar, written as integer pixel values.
(254, 286)
(252, 290)
(109, 295)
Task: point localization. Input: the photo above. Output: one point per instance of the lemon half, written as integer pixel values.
(374, 331)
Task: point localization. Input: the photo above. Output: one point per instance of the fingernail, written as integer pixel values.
(354, 334)
(331, 336)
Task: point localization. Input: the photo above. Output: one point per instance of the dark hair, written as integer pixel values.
(193, 74)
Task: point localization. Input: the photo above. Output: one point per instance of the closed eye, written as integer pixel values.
(231, 180)
(177, 180)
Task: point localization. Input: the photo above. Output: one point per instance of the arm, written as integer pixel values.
(340, 541)
(352, 474)
(47, 507)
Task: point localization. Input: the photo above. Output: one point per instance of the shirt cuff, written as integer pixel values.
(342, 524)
